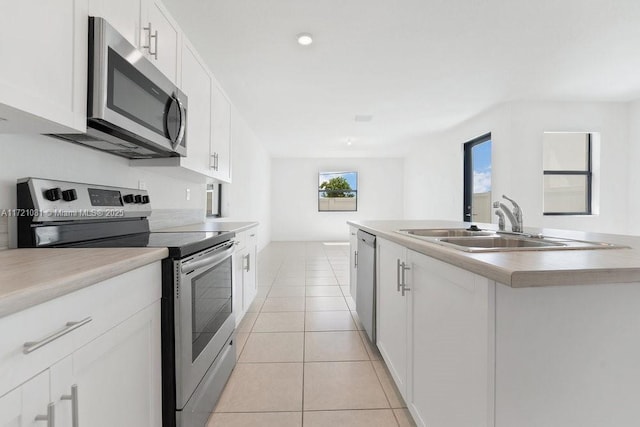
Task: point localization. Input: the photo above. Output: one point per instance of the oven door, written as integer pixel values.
(130, 96)
(203, 313)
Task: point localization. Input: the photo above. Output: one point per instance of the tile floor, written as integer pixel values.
(303, 359)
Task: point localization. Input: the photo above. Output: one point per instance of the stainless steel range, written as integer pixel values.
(198, 352)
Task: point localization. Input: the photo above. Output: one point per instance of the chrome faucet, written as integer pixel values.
(500, 217)
(515, 217)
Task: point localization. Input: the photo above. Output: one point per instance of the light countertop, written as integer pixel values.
(33, 276)
(526, 268)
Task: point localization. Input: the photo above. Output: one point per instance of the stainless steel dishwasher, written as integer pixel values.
(366, 291)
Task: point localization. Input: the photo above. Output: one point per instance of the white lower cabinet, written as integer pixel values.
(110, 372)
(450, 344)
(21, 406)
(249, 279)
(435, 333)
(392, 311)
(120, 369)
(244, 272)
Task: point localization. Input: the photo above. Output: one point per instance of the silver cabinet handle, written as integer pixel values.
(398, 267)
(215, 161)
(404, 268)
(355, 259)
(73, 397)
(32, 346)
(50, 418)
(248, 265)
(152, 36)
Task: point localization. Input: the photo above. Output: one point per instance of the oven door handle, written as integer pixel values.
(210, 260)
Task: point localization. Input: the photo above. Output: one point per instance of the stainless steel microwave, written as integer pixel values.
(133, 110)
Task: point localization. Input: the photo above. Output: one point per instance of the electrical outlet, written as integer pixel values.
(188, 194)
(142, 185)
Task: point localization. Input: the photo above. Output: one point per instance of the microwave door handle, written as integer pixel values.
(183, 122)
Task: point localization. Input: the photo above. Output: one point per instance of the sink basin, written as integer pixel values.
(490, 241)
(476, 244)
(444, 232)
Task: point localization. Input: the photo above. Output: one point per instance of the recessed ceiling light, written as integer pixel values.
(304, 39)
(349, 141)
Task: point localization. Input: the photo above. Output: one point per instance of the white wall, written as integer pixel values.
(249, 195)
(46, 157)
(633, 195)
(434, 168)
(294, 190)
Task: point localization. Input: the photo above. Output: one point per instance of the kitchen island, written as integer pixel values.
(501, 339)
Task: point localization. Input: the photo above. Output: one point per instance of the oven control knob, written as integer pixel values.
(128, 198)
(69, 195)
(53, 194)
(145, 200)
(138, 198)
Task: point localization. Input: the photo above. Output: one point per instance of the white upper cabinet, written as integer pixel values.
(220, 160)
(123, 15)
(43, 77)
(196, 84)
(208, 123)
(148, 26)
(161, 35)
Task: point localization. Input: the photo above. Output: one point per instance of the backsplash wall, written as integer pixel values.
(45, 157)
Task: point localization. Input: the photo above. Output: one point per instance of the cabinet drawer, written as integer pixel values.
(241, 240)
(106, 304)
(252, 237)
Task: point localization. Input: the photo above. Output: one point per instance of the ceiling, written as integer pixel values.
(415, 66)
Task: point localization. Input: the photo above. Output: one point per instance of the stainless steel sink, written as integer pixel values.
(500, 243)
(444, 232)
(491, 241)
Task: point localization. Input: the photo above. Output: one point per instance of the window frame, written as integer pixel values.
(467, 198)
(587, 173)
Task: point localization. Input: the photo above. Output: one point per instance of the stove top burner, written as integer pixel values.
(180, 245)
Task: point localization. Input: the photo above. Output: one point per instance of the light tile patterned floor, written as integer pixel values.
(303, 359)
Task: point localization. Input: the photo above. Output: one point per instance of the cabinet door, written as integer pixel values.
(353, 254)
(221, 134)
(249, 282)
(19, 407)
(196, 84)
(391, 315)
(43, 77)
(167, 41)
(123, 15)
(449, 345)
(118, 375)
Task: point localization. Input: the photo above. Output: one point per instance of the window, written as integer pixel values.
(567, 169)
(477, 180)
(337, 191)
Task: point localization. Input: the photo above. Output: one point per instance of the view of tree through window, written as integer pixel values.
(338, 191)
